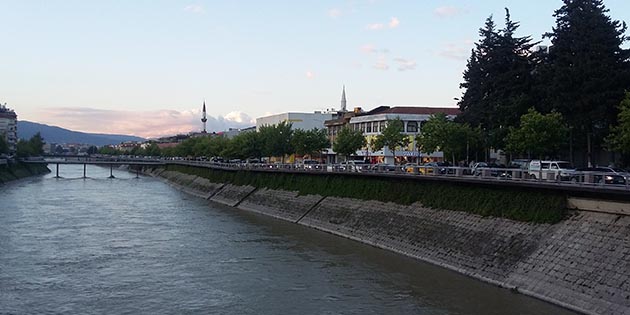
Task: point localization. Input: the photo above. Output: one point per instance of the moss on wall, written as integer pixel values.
(506, 202)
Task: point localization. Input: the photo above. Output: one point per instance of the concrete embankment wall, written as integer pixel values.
(582, 262)
(21, 170)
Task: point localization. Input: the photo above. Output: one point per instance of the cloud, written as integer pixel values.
(368, 48)
(194, 8)
(375, 26)
(147, 124)
(456, 51)
(394, 22)
(309, 75)
(405, 64)
(448, 11)
(381, 64)
(334, 13)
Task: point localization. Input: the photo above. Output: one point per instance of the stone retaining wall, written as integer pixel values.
(285, 205)
(231, 195)
(582, 263)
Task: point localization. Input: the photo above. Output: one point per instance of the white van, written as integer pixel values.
(550, 170)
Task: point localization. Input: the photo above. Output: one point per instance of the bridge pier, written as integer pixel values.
(111, 171)
(57, 172)
(84, 165)
(137, 171)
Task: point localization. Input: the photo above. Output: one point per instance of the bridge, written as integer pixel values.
(111, 162)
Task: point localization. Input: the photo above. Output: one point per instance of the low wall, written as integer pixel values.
(582, 262)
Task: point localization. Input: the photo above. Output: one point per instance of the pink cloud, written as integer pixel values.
(147, 124)
(375, 26)
(394, 22)
(334, 13)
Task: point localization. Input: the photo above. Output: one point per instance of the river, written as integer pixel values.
(137, 246)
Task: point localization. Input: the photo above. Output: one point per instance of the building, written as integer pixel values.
(413, 117)
(8, 127)
(304, 121)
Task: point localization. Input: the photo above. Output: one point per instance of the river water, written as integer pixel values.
(137, 246)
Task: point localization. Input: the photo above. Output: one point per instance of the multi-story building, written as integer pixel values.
(305, 121)
(8, 127)
(372, 123)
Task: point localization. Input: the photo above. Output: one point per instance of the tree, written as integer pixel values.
(538, 135)
(619, 137)
(32, 147)
(36, 143)
(454, 139)
(276, 139)
(153, 150)
(91, 150)
(392, 137)
(498, 80)
(4, 146)
(348, 141)
(309, 142)
(588, 70)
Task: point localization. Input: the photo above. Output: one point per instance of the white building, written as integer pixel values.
(8, 127)
(412, 117)
(304, 121)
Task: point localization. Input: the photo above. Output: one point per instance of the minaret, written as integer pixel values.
(203, 117)
(343, 99)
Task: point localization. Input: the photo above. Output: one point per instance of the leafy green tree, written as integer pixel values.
(91, 150)
(348, 141)
(23, 148)
(392, 137)
(498, 80)
(619, 138)
(587, 71)
(108, 150)
(153, 150)
(276, 139)
(32, 147)
(538, 135)
(36, 142)
(440, 134)
(137, 150)
(309, 142)
(4, 146)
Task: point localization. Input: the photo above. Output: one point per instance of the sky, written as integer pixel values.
(145, 67)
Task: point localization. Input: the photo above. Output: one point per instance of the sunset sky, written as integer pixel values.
(144, 67)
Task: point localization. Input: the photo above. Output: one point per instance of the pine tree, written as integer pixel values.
(498, 80)
(588, 70)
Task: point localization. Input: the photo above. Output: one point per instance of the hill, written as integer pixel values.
(53, 134)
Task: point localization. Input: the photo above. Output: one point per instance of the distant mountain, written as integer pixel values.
(52, 134)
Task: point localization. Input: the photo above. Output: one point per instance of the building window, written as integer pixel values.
(412, 126)
(368, 127)
(382, 125)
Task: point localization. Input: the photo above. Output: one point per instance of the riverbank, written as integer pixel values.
(580, 262)
(21, 170)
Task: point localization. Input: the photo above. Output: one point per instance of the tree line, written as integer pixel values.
(580, 80)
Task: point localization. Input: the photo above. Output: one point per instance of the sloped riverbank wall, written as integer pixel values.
(21, 170)
(581, 262)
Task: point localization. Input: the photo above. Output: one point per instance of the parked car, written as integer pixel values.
(383, 167)
(495, 170)
(410, 167)
(609, 175)
(558, 170)
(436, 167)
(355, 166)
(310, 165)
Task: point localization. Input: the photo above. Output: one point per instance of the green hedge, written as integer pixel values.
(506, 202)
